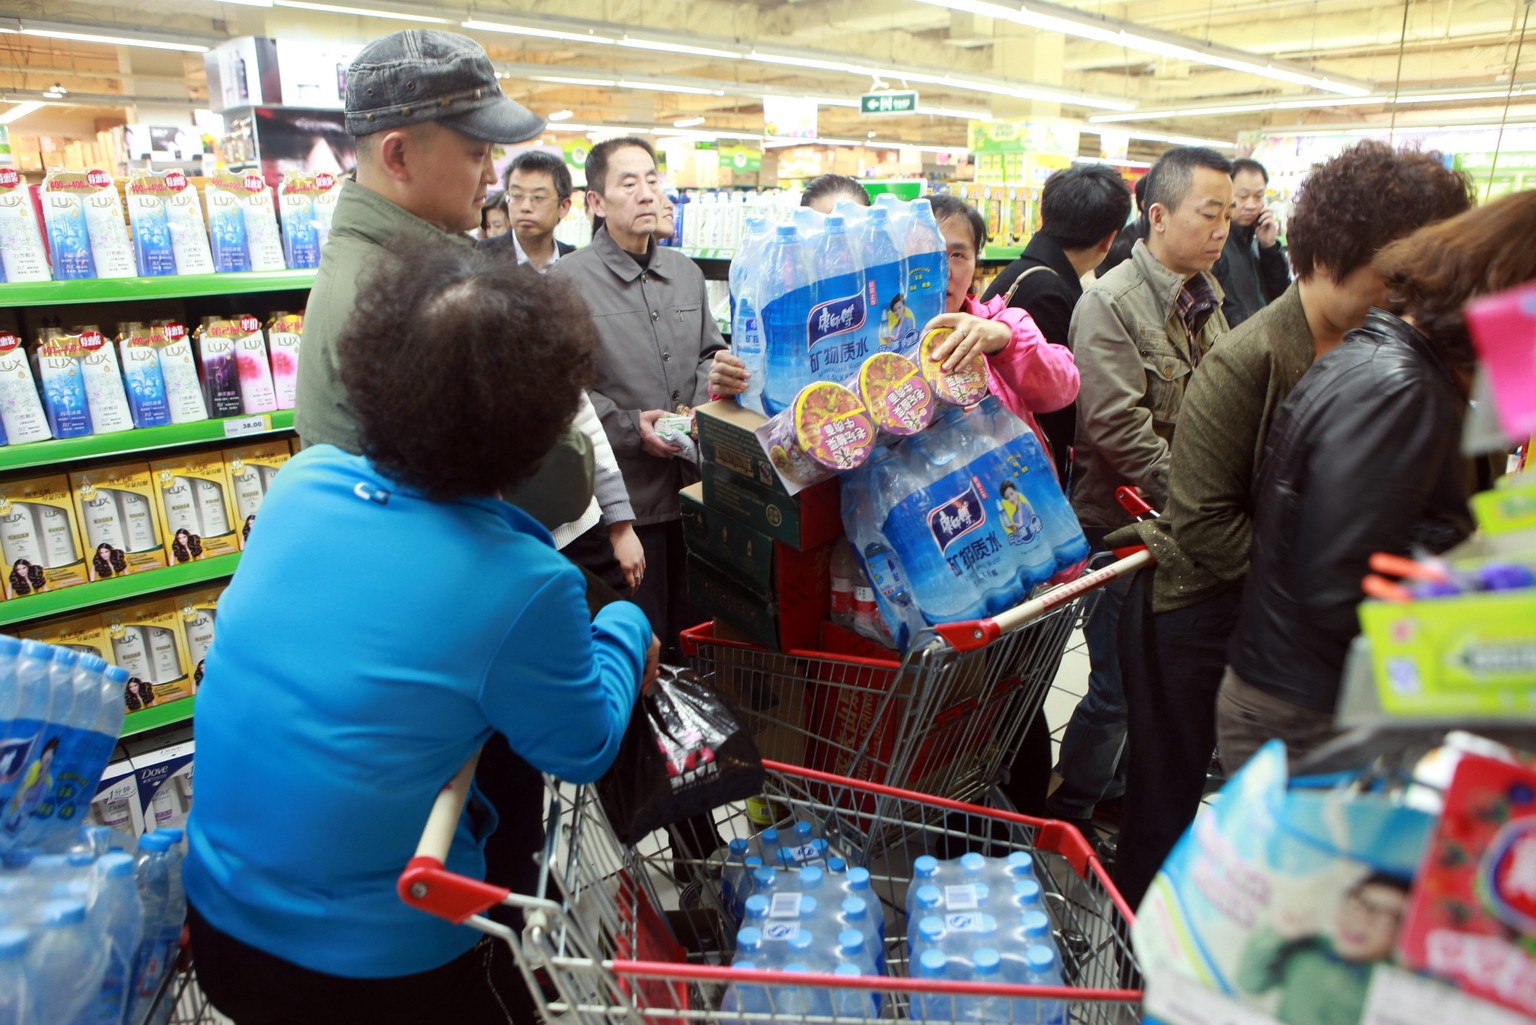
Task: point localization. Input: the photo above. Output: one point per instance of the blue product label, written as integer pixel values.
(898, 327)
(954, 520)
(64, 396)
(69, 241)
(145, 386)
(927, 279)
(152, 242)
(835, 333)
(226, 229)
(303, 242)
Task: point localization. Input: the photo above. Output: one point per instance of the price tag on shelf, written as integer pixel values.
(1177, 1000)
(239, 426)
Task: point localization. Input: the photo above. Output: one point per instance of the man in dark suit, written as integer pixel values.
(1082, 209)
(538, 198)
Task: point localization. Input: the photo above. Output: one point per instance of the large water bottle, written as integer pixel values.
(1042, 968)
(747, 288)
(64, 963)
(927, 264)
(15, 993)
(853, 913)
(933, 966)
(766, 846)
(864, 509)
(122, 915)
(744, 885)
(840, 331)
(786, 310)
(1037, 481)
(733, 875)
(881, 255)
(152, 877)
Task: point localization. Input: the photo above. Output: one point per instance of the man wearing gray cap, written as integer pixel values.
(425, 107)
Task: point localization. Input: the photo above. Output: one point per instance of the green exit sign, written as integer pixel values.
(888, 103)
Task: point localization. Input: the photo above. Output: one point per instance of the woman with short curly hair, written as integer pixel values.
(391, 614)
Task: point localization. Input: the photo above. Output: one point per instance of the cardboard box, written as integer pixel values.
(251, 470)
(119, 515)
(740, 481)
(39, 536)
(148, 641)
(198, 612)
(84, 634)
(197, 511)
(162, 770)
(116, 804)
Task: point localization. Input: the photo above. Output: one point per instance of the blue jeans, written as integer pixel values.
(1089, 763)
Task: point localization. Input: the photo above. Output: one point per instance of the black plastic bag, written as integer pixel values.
(684, 753)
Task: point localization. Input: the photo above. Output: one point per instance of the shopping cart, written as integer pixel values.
(945, 718)
(609, 939)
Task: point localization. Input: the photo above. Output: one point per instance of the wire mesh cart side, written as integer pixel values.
(623, 934)
(944, 719)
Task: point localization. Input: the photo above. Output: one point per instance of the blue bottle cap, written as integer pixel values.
(13, 943)
(973, 862)
(9, 645)
(850, 942)
(786, 231)
(764, 877)
(878, 215)
(739, 847)
(855, 909)
(63, 912)
(932, 964)
(803, 830)
(173, 833)
(117, 675)
(810, 877)
(753, 861)
(801, 941)
(1040, 958)
(986, 960)
(744, 966)
(36, 649)
(66, 656)
(929, 896)
(796, 967)
(808, 905)
(115, 865)
(925, 867)
(931, 929)
(94, 663)
(837, 866)
(858, 879)
(835, 222)
(770, 836)
(1035, 924)
(847, 969)
(155, 841)
(21, 857)
(1020, 863)
(749, 939)
(80, 859)
(1026, 892)
(757, 906)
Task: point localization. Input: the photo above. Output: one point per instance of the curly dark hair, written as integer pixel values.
(1367, 196)
(102, 564)
(510, 355)
(185, 551)
(137, 694)
(27, 580)
(1438, 269)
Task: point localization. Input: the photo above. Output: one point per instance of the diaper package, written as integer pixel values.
(197, 516)
(38, 536)
(117, 509)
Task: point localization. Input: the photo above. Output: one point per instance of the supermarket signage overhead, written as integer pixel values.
(888, 103)
(741, 158)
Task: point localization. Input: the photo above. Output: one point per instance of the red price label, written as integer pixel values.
(324, 180)
(175, 332)
(8, 341)
(91, 340)
(254, 183)
(9, 178)
(249, 324)
(175, 180)
(98, 179)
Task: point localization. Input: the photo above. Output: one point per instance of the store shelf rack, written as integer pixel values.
(148, 439)
(104, 290)
(156, 716)
(99, 592)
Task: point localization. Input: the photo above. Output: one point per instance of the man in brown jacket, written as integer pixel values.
(1137, 335)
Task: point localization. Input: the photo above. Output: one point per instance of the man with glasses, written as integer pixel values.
(538, 198)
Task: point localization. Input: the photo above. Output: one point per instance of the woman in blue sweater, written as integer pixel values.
(389, 614)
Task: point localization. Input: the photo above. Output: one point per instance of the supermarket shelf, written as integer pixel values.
(99, 592)
(105, 290)
(67, 450)
(156, 716)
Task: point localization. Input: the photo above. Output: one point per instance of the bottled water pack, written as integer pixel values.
(814, 298)
(60, 714)
(959, 522)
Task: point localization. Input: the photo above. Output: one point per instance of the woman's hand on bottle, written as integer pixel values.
(727, 375)
(969, 334)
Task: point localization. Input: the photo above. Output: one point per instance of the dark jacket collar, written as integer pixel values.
(1382, 324)
(621, 263)
(1049, 252)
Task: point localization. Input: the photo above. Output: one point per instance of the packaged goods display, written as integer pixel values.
(23, 257)
(87, 233)
(39, 536)
(148, 642)
(170, 235)
(118, 511)
(197, 514)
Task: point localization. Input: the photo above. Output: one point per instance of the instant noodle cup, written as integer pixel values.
(825, 430)
(897, 398)
(965, 385)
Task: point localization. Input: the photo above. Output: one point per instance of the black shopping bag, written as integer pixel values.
(685, 752)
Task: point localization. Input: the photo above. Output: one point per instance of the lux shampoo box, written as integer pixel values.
(251, 471)
(197, 510)
(84, 634)
(38, 536)
(199, 612)
(163, 775)
(117, 508)
(116, 803)
(148, 640)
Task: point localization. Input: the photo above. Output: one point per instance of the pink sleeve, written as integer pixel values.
(1030, 373)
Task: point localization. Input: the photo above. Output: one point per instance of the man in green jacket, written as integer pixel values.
(1203, 538)
(425, 107)
(1136, 334)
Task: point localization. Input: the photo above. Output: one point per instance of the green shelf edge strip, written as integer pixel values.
(156, 716)
(102, 290)
(101, 592)
(148, 439)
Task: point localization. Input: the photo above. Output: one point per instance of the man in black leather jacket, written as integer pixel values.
(1365, 456)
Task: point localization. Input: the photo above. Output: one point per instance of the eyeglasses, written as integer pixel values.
(1385, 914)
(534, 199)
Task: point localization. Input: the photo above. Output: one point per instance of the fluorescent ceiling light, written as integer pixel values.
(20, 111)
(602, 83)
(361, 12)
(559, 115)
(688, 122)
(249, 3)
(91, 37)
(663, 87)
(964, 115)
(1175, 140)
(540, 33)
(666, 46)
(1314, 103)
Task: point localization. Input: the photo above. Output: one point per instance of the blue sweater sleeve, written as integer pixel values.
(562, 686)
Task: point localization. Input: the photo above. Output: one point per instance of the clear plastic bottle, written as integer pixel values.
(933, 966)
(845, 573)
(1044, 969)
(881, 255)
(733, 874)
(747, 291)
(64, 962)
(926, 261)
(786, 310)
(853, 913)
(122, 916)
(853, 1004)
(151, 872)
(15, 993)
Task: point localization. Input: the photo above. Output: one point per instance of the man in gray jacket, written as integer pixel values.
(1137, 334)
(655, 338)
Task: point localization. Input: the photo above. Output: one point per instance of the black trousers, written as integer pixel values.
(663, 591)
(252, 987)
(1172, 664)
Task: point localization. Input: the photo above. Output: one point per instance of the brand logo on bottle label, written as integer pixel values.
(780, 931)
(957, 518)
(325, 181)
(836, 317)
(961, 898)
(9, 178)
(100, 179)
(175, 180)
(254, 183)
(964, 923)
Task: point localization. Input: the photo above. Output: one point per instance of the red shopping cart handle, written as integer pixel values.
(428, 886)
(1131, 501)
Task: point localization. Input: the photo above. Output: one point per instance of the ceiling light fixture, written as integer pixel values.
(666, 46)
(559, 115)
(663, 87)
(964, 115)
(123, 40)
(602, 83)
(250, 3)
(20, 111)
(688, 122)
(538, 33)
(361, 12)
(1314, 103)
(1053, 18)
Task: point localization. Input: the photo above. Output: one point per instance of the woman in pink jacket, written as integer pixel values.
(1029, 374)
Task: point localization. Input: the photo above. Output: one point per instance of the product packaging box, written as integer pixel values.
(148, 641)
(163, 775)
(198, 611)
(102, 378)
(740, 481)
(284, 332)
(22, 255)
(39, 537)
(169, 235)
(61, 378)
(118, 511)
(21, 409)
(765, 588)
(216, 341)
(116, 804)
(251, 470)
(84, 634)
(197, 511)
(86, 227)
(242, 224)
